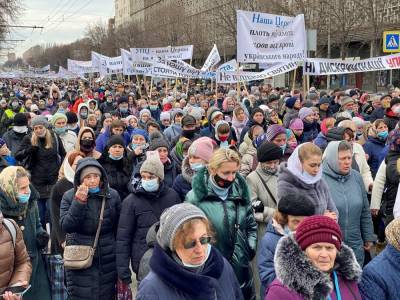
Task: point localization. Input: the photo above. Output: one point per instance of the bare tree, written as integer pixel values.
(9, 11)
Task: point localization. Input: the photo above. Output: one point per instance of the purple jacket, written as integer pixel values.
(297, 278)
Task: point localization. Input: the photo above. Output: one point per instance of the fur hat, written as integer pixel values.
(268, 151)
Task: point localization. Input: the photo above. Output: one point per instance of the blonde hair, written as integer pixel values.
(222, 156)
(307, 150)
(48, 140)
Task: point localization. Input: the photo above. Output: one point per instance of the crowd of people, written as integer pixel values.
(262, 193)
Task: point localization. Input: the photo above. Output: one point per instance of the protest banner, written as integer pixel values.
(43, 70)
(325, 66)
(263, 37)
(170, 52)
(81, 67)
(238, 76)
(212, 59)
(228, 66)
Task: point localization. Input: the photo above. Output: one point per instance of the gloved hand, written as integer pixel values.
(42, 238)
(258, 206)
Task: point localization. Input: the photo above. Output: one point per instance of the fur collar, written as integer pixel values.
(295, 270)
(187, 172)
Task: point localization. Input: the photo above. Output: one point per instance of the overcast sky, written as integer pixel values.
(64, 20)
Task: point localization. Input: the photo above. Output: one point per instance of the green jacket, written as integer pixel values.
(27, 218)
(239, 250)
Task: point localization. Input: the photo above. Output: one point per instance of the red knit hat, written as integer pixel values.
(318, 229)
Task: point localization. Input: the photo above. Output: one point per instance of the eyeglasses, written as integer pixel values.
(203, 241)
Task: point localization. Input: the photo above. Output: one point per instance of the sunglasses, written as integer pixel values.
(203, 241)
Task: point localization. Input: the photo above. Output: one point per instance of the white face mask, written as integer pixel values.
(20, 129)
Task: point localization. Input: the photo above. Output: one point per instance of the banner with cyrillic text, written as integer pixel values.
(228, 66)
(171, 52)
(326, 66)
(233, 77)
(212, 59)
(81, 67)
(43, 70)
(263, 37)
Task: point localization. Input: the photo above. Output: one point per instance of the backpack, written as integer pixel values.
(11, 229)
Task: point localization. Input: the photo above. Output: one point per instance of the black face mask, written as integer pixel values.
(222, 183)
(87, 145)
(189, 134)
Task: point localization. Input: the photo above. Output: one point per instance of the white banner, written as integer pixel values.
(81, 67)
(64, 73)
(233, 77)
(265, 37)
(43, 70)
(173, 53)
(99, 62)
(212, 59)
(325, 66)
(127, 64)
(228, 66)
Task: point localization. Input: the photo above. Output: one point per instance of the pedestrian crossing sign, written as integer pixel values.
(391, 41)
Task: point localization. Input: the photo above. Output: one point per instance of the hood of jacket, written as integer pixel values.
(69, 173)
(187, 172)
(285, 175)
(335, 134)
(202, 189)
(151, 236)
(295, 270)
(91, 162)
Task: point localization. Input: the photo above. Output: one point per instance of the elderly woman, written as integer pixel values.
(224, 197)
(348, 193)
(140, 210)
(184, 264)
(18, 201)
(292, 209)
(80, 214)
(315, 264)
(303, 175)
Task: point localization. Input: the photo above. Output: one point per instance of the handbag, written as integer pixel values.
(77, 257)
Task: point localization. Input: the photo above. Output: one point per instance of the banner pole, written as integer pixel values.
(188, 81)
(294, 79)
(237, 81)
(151, 86)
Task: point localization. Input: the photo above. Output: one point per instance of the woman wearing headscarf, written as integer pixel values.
(313, 263)
(42, 153)
(376, 142)
(348, 193)
(303, 175)
(310, 131)
(223, 195)
(117, 165)
(140, 210)
(199, 154)
(80, 212)
(185, 264)
(257, 117)
(321, 139)
(239, 120)
(18, 201)
(138, 146)
(63, 184)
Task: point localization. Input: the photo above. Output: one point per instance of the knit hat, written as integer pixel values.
(346, 100)
(144, 111)
(71, 117)
(176, 111)
(290, 102)
(122, 99)
(305, 112)
(268, 151)
(172, 218)
(58, 116)
(392, 233)
(165, 116)
(273, 98)
(156, 143)
(39, 120)
(153, 165)
(318, 229)
(202, 148)
(196, 112)
(296, 124)
(20, 119)
(139, 131)
(215, 113)
(115, 140)
(89, 170)
(394, 101)
(188, 120)
(324, 100)
(296, 205)
(273, 131)
(34, 108)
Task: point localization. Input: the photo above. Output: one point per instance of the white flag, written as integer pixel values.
(212, 59)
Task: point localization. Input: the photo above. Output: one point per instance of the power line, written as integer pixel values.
(22, 26)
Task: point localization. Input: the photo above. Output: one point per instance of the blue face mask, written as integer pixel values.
(151, 185)
(115, 157)
(123, 109)
(383, 135)
(94, 190)
(153, 107)
(196, 166)
(24, 198)
(60, 131)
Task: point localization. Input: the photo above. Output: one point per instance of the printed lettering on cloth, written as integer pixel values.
(170, 52)
(265, 37)
(81, 67)
(228, 66)
(212, 59)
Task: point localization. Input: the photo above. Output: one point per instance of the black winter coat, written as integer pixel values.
(80, 222)
(391, 185)
(140, 210)
(13, 140)
(118, 172)
(44, 163)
